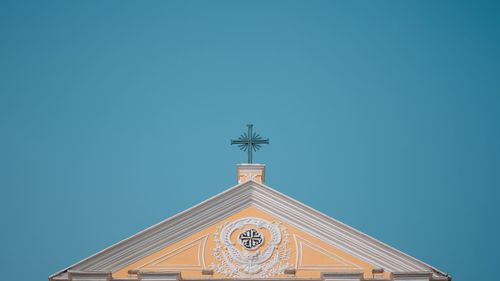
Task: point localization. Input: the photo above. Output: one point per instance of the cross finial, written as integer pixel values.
(250, 142)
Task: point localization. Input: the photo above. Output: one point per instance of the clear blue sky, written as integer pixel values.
(382, 114)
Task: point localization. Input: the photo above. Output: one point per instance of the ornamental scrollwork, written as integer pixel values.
(258, 256)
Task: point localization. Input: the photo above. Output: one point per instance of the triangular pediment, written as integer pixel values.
(222, 248)
(186, 242)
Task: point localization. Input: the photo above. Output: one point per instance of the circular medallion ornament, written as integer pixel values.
(251, 239)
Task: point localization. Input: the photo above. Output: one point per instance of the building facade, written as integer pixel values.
(250, 231)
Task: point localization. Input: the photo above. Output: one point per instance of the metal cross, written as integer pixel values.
(250, 142)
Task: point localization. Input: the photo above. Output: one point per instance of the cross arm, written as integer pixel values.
(239, 141)
(266, 141)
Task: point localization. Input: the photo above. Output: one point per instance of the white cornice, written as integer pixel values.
(342, 276)
(75, 275)
(411, 276)
(235, 199)
(159, 276)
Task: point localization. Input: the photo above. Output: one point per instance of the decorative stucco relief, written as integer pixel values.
(251, 247)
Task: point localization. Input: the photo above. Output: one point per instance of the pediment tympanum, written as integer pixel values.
(248, 244)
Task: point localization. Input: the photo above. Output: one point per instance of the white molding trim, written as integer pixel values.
(235, 199)
(75, 275)
(199, 242)
(159, 276)
(412, 276)
(342, 266)
(342, 276)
